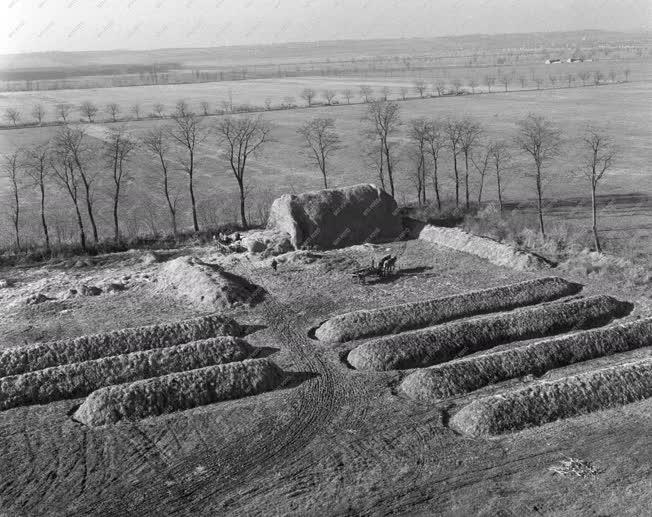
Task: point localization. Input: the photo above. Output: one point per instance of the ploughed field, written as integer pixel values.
(623, 110)
(452, 387)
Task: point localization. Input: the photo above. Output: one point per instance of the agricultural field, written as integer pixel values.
(296, 428)
(623, 110)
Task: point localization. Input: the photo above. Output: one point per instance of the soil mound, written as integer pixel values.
(549, 401)
(335, 218)
(489, 249)
(458, 377)
(179, 391)
(398, 318)
(434, 345)
(14, 361)
(206, 284)
(79, 379)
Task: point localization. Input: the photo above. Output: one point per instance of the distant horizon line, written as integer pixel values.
(308, 42)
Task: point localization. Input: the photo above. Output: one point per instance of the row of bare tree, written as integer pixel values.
(69, 161)
(439, 87)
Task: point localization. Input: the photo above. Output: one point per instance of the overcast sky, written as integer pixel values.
(37, 25)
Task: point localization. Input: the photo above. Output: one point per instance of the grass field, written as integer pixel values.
(623, 110)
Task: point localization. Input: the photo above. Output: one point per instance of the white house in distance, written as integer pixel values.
(552, 61)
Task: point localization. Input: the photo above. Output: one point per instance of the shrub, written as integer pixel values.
(459, 377)
(549, 401)
(79, 379)
(14, 361)
(376, 322)
(179, 391)
(435, 345)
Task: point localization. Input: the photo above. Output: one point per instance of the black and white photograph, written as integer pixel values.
(325, 258)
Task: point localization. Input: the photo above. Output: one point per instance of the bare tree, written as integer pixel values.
(117, 148)
(453, 129)
(329, 95)
(385, 93)
(366, 92)
(542, 141)
(469, 134)
(384, 120)
(11, 164)
(436, 142)
(113, 110)
(600, 153)
(156, 142)
(242, 138)
(188, 133)
(473, 84)
(205, 108)
(419, 133)
(627, 73)
(89, 110)
(65, 173)
(38, 169)
(135, 109)
(500, 159)
(182, 109)
(553, 80)
(268, 103)
(482, 166)
(63, 112)
(613, 75)
(159, 110)
(598, 76)
(404, 92)
(73, 143)
(457, 85)
(584, 76)
(38, 112)
(321, 140)
(523, 80)
(440, 86)
(570, 79)
(308, 94)
(505, 80)
(538, 81)
(420, 87)
(489, 80)
(374, 157)
(12, 115)
(288, 102)
(347, 93)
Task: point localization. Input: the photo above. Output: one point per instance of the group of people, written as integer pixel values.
(225, 238)
(386, 264)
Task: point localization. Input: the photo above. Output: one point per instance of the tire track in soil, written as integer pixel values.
(317, 402)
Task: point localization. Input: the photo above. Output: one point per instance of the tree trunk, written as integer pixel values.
(500, 194)
(89, 208)
(16, 216)
(594, 211)
(466, 178)
(116, 224)
(195, 224)
(389, 168)
(435, 182)
(242, 206)
(480, 190)
(43, 221)
(540, 202)
(80, 223)
(457, 180)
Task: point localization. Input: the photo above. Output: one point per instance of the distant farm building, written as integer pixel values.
(575, 60)
(552, 61)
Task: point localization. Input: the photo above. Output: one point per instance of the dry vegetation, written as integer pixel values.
(179, 391)
(459, 377)
(79, 379)
(549, 401)
(14, 361)
(398, 318)
(441, 343)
